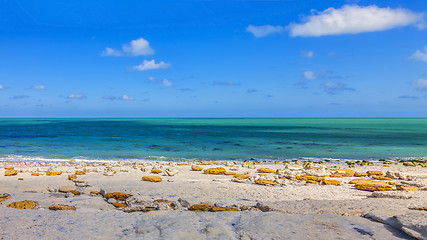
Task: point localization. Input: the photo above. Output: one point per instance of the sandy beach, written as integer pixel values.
(112, 201)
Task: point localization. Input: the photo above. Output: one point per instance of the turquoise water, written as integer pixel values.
(220, 139)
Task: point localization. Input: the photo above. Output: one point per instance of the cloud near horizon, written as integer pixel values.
(138, 47)
(264, 30)
(149, 65)
(353, 19)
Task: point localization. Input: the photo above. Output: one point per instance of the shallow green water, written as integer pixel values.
(212, 138)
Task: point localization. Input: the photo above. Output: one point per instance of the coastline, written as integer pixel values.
(295, 208)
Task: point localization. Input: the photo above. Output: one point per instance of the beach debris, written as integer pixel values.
(215, 171)
(60, 207)
(4, 197)
(266, 170)
(118, 196)
(152, 178)
(109, 171)
(10, 172)
(26, 204)
(196, 168)
(373, 186)
(406, 188)
(171, 172)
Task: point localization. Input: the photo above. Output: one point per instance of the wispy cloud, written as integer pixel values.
(19, 97)
(167, 83)
(264, 30)
(352, 19)
(307, 54)
(77, 96)
(39, 87)
(126, 98)
(409, 97)
(420, 55)
(149, 65)
(138, 47)
(309, 75)
(420, 84)
(336, 87)
(226, 83)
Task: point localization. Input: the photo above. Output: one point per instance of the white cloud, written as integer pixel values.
(167, 83)
(307, 54)
(309, 75)
(136, 47)
(39, 87)
(126, 98)
(148, 65)
(420, 84)
(352, 19)
(420, 55)
(76, 96)
(264, 30)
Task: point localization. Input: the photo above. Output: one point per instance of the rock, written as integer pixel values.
(171, 172)
(347, 172)
(265, 182)
(62, 207)
(82, 184)
(119, 205)
(9, 168)
(53, 173)
(10, 172)
(230, 173)
(78, 172)
(111, 200)
(358, 180)
(234, 168)
(306, 178)
(118, 196)
(109, 171)
(419, 208)
(196, 168)
(266, 170)
(223, 209)
(69, 194)
(379, 177)
(336, 175)
(414, 224)
(152, 178)
(156, 171)
(372, 173)
(359, 174)
(241, 176)
(373, 186)
(135, 204)
(406, 188)
(94, 193)
(27, 204)
(50, 189)
(4, 197)
(35, 174)
(184, 203)
(215, 171)
(75, 192)
(67, 188)
(201, 207)
(391, 194)
(331, 182)
(20, 179)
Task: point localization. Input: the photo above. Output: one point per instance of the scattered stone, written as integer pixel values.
(117, 195)
(241, 176)
(306, 178)
(4, 197)
(358, 180)
(223, 209)
(53, 173)
(373, 186)
(35, 174)
(406, 188)
(69, 194)
(20, 179)
(230, 173)
(196, 168)
(331, 182)
(171, 172)
(109, 171)
(94, 193)
(119, 205)
(391, 194)
(265, 182)
(9, 168)
(359, 174)
(152, 178)
(75, 192)
(10, 172)
(379, 177)
(216, 171)
(156, 171)
(62, 207)
(201, 207)
(78, 172)
(266, 170)
(26, 204)
(67, 188)
(336, 175)
(372, 173)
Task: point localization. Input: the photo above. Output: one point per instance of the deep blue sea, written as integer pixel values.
(216, 139)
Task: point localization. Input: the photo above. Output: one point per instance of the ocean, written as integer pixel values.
(211, 139)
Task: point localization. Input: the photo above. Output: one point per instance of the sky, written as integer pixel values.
(289, 58)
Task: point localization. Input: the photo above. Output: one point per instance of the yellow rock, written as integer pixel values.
(216, 171)
(72, 177)
(385, 165)
(373, 186)
(94, 192)
(358, 180)
(359, 174)
(331, 182)
(9, 168)
(27, 204)
(181, 164)
(152, 178)
(262, 174)
(312, 181)
(119, 205)
(156, 171)
(20, 179)
(230, 173)
(392, 183)
(78, 172)
(196, 168)
(266, 170)
(406, 188)
(223, 209)
(348, 172)
(306, 178)
(61, 207)
(117, 195)
(336, 175)
(53, 173)
(75, 192)
(4, 197)
(201, 207)
(372, 173)
(379, 177)
(35, 174)
(10, 172)
(242, 176)
(265, 182)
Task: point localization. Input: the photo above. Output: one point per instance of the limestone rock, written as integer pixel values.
(67, 188)
(152, 178)
(331, 182)
(78, 172)
(62, 207)
(373, 186)
(265, 182)
(379, 177)
(119, 205)
(266, 170)
(406, 188)
(109, 171)
(10, 172)
(26, 204)
(35, 174)
(53, 173)
(171, 172)
(223, 209)
(241, 176)
(359, 174)
(372, 173)
(230, 173)
(117, 195)
(201, 207)
(196, 168)
(4, 197)
(216, 171)
(156, 171)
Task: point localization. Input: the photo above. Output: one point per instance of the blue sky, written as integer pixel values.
(287, 58)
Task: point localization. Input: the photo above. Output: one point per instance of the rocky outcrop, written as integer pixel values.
(26, 204)
(373, 186)
(60, 207)
(120, 196)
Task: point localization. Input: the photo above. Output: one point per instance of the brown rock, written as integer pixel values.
(196, 168)
(152, 178)
(201, 207)
(62, 207)
(230, 173)
(359, 174)
(117, 195)
(216, 171)
(223, 209)
(10, 172)
(20, 179)
(35, 174)
(27, 204)
(119, 205)
(266, 170)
